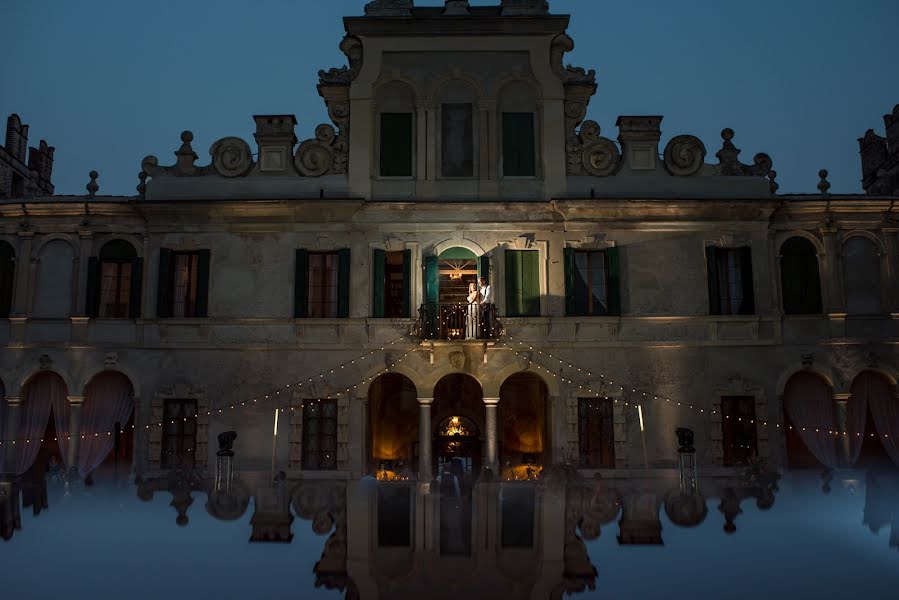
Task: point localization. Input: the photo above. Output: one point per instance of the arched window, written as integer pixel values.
(861, 276)
(809, 421)
(519, 120)
(799, 276)
(53, 290)
(7, 277)
(114, 284)
(395, 124)
(458, 124)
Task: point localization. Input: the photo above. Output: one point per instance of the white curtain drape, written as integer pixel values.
(42, 392)
(809, 402)
(885, 412)
(108, 399)
(857, 416)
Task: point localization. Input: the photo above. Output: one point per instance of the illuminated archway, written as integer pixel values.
(393, 422)
(458, 403)
(522, 430)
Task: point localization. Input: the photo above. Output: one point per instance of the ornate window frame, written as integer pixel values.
(737, 386)
(179, 390)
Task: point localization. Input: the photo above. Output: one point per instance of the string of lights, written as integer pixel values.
(321, 377)
(645, 396)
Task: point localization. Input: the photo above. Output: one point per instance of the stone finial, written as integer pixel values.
(185, 156)
(729, 162)
(92, 186)
(142, 186)
(389, 8)
(772, 175)
(823, 185)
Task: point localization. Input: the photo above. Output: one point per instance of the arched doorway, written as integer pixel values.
(809, 422)
(873, 419)
(393, 422)
(457, 423)
(800, 278)
(523, 433)
(448, 312)
(39, 449)
(108, 407)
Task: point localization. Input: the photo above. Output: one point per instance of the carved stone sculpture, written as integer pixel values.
(592, 154)
(315, 157)
(567, 73)
(684, 155)
(729, 163)
(389, 8)
(231, 157)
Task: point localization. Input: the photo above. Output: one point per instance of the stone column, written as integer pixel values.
(421, 141)
(832, 274)
(424, 440)
(75, 404)
(491, 461)
(23, 272)
(842, 424)
(80, 283)
(430, 148)
(13, 415)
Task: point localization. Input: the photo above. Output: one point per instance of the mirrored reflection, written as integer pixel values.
(459, 536)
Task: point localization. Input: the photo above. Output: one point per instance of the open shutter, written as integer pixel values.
(378, 274)
(484, 269)
(202, 306)
(711, 259)
(513, 283)
(747, 306)
(343, 283)
(301, 285)
(613, 269)
(93, 287)
(432, 280)
(407, 283)
(568, 262)
(137, 280)
(164, 284)
(530, 283)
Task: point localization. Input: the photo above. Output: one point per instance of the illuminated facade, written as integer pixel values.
(633, 288)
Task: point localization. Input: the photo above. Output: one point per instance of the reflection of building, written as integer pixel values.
(652, 277)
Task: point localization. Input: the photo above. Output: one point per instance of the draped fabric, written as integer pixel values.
(884, 410)
(857, 416)
(809, 402)
(44, 391)
(109, 399)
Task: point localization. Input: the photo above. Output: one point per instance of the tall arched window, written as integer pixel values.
(53, 290)
(114, 286)
(800, 278)
(458, 124)
(395, 123)
(7, 276)
(861, 276)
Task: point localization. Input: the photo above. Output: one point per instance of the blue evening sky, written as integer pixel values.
(108, 82)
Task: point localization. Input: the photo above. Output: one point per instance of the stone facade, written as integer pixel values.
(660, 209)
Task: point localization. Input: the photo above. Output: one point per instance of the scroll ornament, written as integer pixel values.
(316, 157)
(231, 157)
(684, 155)
(593, 154)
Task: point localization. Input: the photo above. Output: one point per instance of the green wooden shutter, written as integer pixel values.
(711, 260)
(343, 283)
(432, 280)
(530, 283)
(396, 145)
(378, 274)
(484, 269)
(7, 280)
(137, 286)
(747, 306)
(519, 155)
(407, 283)
(301, 285)
(569, 265)
(513, 283)
(164, 284)
(93, 287)
(202, 306)
(613, 281)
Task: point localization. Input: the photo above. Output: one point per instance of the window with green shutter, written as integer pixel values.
(522, 283)
(730, 281)
(519, 152)
(391, 294)
(592, 282)
(396, 145)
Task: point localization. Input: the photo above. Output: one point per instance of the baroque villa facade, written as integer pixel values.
(635, 288)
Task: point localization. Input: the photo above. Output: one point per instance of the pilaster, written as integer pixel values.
(75, 405)
(20, 307)
(13, 416)
(425, 474)
(490, 405)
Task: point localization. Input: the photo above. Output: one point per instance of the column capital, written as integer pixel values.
(425, 401)
(26, 234)
(14, 400)
(491, 401)
(85, 234)
(841, 397)
(75, 400)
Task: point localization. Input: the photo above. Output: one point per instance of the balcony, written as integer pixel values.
(457, 321)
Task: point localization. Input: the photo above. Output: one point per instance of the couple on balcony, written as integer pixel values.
(480, 301)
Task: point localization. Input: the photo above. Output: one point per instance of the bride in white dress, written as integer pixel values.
(471, 317)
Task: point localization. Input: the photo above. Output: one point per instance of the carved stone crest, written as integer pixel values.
(314, 157)
(457, 359)
(684, 155)
(112, 360)
(593, 154)
(45, 362)
(231, 157)
(729, 163)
